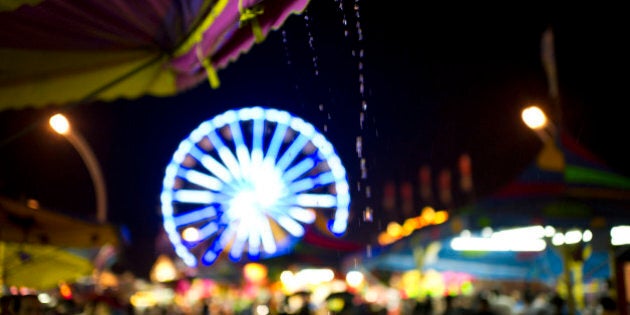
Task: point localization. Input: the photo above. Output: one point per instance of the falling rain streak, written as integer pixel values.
(285, 45)
(359, 54)
(311, 42)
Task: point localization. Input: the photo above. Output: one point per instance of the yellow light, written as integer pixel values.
(59, 124)
(163, 270)
(143, 299)
(190, 234)
(440, 217)
(254, 272)
(354, 278)
(65, 291)
(409, 226)
(428, 214)
(384, 238)
(394, 229)
(534, 117)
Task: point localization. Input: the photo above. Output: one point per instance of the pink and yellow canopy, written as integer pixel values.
(56, 52)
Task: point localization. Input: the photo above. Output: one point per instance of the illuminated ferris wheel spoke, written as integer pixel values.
(226, 155)
(210, 256)
(194, 216)
(257, 141)
(238, 244)
(268, 240)
(288, 223)
(276, 141)
(297, 170)
(242, 153)
(201, 179)
(254, 242)
(296, 146)
(208, 230)
(194, 196)
(306, 184)
(249, 181)
(302, 215)
(316, 201)
(211, 164)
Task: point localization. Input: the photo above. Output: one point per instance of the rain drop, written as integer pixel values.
(361, 119)
(359, 145)
(368, 214)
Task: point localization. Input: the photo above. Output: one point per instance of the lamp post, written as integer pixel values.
(60, 124)
(571, 244)
(551, 157)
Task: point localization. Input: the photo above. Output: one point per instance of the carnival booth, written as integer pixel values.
(562, 218)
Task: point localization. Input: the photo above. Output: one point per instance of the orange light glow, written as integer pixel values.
(255, 273)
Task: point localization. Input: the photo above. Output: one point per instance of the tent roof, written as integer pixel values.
(58, 52)
(583, 192)
(22, 224)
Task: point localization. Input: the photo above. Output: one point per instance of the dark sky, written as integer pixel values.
(438, 84)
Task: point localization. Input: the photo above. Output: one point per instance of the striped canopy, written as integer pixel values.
(57, 52)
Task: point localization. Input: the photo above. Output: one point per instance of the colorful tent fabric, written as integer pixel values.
(567, 186)
(22, 224)
(414, 254)
(40, 267)
(56, 52)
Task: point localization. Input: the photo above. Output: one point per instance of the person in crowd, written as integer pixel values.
(484, 307)
(557, 305)
(608, 306)
(6, 305)
(451, 306)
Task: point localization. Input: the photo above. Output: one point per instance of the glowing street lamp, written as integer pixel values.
(536, 119)
(551, 157)
(60, 124)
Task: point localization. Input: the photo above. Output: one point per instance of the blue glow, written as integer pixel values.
(298, 170)
(211, 164)
(208, 230)
(302, 215)
(194, 216)
(258, 133)
(296, 146)
(226, 155)
(231, 186)
(194, 196)
(242, 152)
(276, 141)
(315, 200)
(201, 179)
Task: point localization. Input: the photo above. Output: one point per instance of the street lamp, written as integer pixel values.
(60, 124)
(551, 157)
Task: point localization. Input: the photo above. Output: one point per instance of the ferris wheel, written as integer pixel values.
(248, 181)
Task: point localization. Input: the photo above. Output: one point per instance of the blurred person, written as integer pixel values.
(423, 307)
(608, 306)
(451, 306)
(500, 303)
(28, 305)
(484, 307)
(530, 307)
(557, 305)
(6, 305)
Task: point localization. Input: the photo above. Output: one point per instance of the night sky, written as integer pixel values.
(438, 84)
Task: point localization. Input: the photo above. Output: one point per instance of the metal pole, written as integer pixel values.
(95, 172)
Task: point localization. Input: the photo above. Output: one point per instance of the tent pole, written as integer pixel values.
(567, 259)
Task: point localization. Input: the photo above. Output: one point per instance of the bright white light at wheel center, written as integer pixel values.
(268, 185)
(262, 191)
